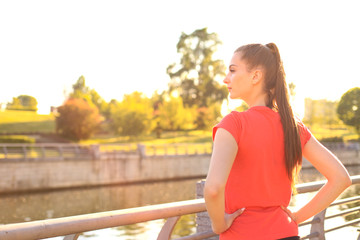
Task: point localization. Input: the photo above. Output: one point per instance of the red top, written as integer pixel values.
(258, 179)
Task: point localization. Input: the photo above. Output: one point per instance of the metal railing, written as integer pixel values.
(72, 227)
(63, 151)
(48, 151)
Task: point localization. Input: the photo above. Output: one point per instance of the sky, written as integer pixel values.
(125, 46)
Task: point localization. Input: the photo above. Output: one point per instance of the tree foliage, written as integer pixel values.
(195, 76)
(77, 119)
(81, 91)
(23, 102)
(132, 116)
(174, 116)
(207, 117)
(349, 108)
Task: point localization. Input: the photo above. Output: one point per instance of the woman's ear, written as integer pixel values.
(257, 76)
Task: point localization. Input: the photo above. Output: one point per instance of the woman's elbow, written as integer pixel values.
(217, 230)
(343, 179)
(212, 190)
(347, 181)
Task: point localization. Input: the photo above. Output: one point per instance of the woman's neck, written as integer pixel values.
(259, 100)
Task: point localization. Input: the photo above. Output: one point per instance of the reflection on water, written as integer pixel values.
(36, 206)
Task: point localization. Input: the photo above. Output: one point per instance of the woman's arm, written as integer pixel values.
(223, 155)
(337, 179)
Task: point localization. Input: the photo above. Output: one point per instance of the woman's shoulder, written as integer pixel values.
(304, 132)
(234, 115)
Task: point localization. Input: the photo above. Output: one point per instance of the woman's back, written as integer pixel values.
(258, 179)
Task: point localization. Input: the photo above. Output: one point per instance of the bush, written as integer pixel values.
(77, 119)
(16, 139)
(132, 116)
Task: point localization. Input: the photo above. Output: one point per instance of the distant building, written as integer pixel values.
(53, 110)
(320, 111)
(2, 107)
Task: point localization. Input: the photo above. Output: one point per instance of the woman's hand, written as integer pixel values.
(229, 218)
(291, 214)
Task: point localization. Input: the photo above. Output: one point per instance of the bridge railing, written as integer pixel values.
(63, 151)
(72, 227)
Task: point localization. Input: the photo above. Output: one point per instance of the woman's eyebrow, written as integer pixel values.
(232, 65)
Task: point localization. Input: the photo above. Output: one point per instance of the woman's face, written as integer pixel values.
(238, 79)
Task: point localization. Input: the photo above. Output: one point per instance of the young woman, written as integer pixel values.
(257, 155)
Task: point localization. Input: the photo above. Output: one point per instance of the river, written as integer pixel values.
(24, 207)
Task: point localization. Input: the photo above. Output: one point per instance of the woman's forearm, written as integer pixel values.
(222, 158)
(214, 199)
(326, 195)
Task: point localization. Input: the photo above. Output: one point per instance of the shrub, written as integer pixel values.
(132, 116)
(16, 139)
(77, 119)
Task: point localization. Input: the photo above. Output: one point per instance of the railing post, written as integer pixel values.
(5, 152)
(95, 151)
(167, 229)
(25, 151)
(60, 152)
(72, 236)
(141, 150)
(318, 227)
(203, 223)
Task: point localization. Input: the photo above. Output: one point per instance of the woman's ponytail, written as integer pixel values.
(275, 86)
(293, 153)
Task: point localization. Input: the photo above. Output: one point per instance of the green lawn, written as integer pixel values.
(195, 136)
(30, 122)
(26, 121)
(326, 132)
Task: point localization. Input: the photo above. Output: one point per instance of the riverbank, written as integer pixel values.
(61, 166)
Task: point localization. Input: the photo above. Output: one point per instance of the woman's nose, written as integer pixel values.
(226, 80)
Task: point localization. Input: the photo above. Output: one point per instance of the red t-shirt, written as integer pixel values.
(258, 179)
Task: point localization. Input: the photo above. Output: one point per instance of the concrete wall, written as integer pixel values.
(112, 168)
(28, 175)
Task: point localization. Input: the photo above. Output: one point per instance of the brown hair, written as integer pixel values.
(268, 57)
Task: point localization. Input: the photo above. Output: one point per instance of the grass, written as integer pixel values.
(14, 122)
(195, 136)
(326, 132)
(26, 122)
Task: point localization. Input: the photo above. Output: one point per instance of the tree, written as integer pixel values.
(132, 116)
(195, 77)
(207, 116)
(77, 119)
(173, 116)
(348, 109)
(81, 91)
(23, 102)
(100, 103)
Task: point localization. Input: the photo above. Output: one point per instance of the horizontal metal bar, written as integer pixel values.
(198, 236)
(350, 223)
(314, 186)
(309, 187)
(88, 222)
(343, 213)
(346, 200)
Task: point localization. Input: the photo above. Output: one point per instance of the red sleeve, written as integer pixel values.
(304, 132)
(230, 123)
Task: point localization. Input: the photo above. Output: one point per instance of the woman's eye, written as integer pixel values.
(231, 70)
